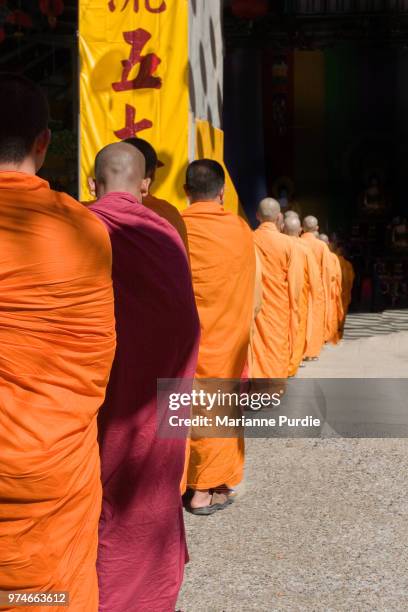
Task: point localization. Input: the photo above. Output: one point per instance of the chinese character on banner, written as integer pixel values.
(148, 64)
(148, 6)
(132, 127)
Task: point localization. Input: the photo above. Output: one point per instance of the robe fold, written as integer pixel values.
(316, 305)
(142, 548)
(169, 212)
(57, 341)
(347, 281)
(277, 323)
(322, 254)
(300, 338)
(222, 256)
(336, 309)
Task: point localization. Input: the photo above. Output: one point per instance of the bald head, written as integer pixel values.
(291, 213)
(310, 224)
(269, 210)
(324, 238)
(120, 167)
(292, 226)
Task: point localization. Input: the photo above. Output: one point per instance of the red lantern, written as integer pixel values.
(250, 9)
(52, 9)
(20, 19)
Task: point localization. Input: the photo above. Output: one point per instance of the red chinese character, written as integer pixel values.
(158, 9)
(132, 127)
(148, 64)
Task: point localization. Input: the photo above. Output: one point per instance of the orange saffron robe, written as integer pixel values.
(322, 254)
(300, 339)
(277, 323)
(336, 309)
(169, 212)
(57, 344)
(316, 304)
(223, 267)
(348, 275)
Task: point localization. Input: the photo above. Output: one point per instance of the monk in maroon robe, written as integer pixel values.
(142, 549)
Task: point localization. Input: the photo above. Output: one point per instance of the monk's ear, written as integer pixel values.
(43, 141)
(144, 187)
(92, 186)
(222, 195)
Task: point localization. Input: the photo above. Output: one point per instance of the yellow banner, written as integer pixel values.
(134, 82)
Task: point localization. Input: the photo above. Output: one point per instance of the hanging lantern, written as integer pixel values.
(52, 9)
(250, 9)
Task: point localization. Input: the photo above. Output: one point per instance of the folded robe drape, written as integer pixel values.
(347, 281)
(142, 549)
(169, 212)
(322, 254)
(57, 343)
(315, 323)
(336, 304)
(300, 338)
(222, 256)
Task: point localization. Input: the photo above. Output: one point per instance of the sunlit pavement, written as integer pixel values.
(323, 524)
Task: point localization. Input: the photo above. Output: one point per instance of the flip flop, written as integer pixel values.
(219, 501)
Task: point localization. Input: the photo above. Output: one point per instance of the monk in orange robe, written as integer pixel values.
(292, 228)
(223, 267)
(315, 331)
(57, 344)
(321, 253)
(277, 324)
(336, 304)
(348, 276)
(161, 207)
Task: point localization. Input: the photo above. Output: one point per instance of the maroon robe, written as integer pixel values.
(142, 548)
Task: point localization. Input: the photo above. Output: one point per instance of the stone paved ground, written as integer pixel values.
(323, 524)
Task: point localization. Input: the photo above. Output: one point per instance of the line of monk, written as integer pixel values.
(97, 304)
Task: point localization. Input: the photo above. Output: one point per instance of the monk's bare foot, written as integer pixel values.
(205, 503)
(201, 499)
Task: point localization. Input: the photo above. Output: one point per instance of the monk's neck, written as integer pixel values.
(211, 203)
(25, 167)
(270, 225)
(121, 191)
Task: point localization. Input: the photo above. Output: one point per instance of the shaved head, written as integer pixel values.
(292, 226)
(269, 210)
(324, 238)
(291, 213)
(120, 167)
(310, 224)
(205, 181)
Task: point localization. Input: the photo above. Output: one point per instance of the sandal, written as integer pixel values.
(219, 501)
